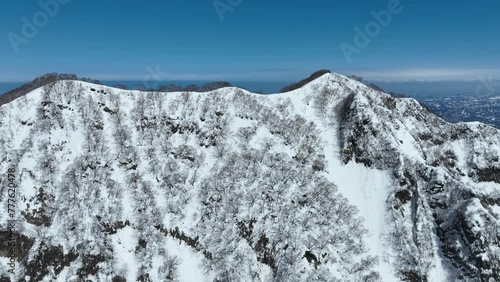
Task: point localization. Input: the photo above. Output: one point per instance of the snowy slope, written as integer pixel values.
(330, 182)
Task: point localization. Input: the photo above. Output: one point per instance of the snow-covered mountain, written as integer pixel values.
(330, 182)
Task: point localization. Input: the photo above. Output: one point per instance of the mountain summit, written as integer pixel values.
(333, 181)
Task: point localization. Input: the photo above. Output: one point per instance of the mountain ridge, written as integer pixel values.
(159, 175)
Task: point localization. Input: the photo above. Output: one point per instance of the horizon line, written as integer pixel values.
(285, 76)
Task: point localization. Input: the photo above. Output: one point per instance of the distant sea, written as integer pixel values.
(7, 86)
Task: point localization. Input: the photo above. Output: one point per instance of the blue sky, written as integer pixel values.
(256, 40)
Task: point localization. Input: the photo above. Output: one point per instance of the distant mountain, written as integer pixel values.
(332, 181)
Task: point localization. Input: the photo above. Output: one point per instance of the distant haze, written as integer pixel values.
(426, 88)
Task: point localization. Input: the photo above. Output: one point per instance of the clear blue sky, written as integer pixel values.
(257, 40)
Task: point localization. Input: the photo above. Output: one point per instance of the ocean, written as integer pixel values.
(7, 86)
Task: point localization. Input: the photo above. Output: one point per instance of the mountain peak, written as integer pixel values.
(300, 84)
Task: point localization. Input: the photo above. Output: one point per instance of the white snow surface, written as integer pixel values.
(163, 162)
